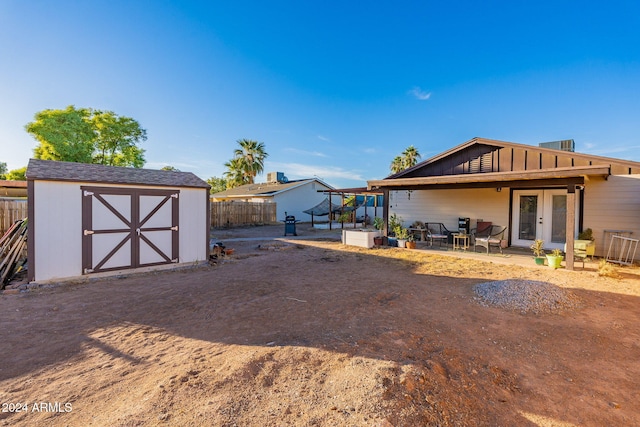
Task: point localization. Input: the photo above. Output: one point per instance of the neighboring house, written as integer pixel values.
(13, 189)
(530, 189)
(292, 197)
(87, 219)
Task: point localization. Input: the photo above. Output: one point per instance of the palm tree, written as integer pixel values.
(410, 156)
(235, 174)
(252, 154)
(407, 159)
(397, 164)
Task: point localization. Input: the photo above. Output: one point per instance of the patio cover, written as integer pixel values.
(322, 208)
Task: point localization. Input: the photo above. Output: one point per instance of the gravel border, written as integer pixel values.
(526, 296)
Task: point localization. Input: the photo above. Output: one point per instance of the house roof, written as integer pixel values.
(13, 188)
(265, 189)
(484, 161)
(49, 170)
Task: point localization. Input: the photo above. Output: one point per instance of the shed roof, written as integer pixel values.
(50, 170)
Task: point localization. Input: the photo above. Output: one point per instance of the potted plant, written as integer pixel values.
(538, 251)
(378, 224)
(401, 234)
(554, 259)
(588, 243)
(411, 241)
(345, 217)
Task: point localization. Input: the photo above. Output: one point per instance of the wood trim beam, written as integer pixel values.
(504, 178)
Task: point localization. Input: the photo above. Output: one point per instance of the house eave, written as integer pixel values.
(491, 178)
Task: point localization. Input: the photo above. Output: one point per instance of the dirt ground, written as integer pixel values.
(314, 333)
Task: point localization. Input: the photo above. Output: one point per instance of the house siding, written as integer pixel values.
(446, 206)
(612, 204)
(296, 200)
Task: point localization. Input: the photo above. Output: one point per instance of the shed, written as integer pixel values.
(87, 219)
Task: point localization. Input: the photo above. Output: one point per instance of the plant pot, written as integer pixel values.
(402, 243)
(554, 261)
(378, 241)
(539, 260)
(411, 244)
(392, 241)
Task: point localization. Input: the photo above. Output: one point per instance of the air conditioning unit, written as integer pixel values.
(276, 177)
(564, 145)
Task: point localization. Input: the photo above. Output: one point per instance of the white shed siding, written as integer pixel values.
(446, 206)
(58, 229)
(194, 239)
(612, 204)
(58, 226)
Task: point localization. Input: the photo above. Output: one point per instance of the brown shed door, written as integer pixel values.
(127, 228)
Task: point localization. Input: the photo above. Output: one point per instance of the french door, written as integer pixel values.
(540, 214)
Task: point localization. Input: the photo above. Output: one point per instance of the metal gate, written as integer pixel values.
(128, 228)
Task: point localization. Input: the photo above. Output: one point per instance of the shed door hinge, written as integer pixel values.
(174, 228)
(88, 232)
(88, 193)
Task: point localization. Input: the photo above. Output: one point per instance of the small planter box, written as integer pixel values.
(362, 238)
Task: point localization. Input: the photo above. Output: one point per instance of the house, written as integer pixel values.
(13, 189)
(538, 192)
(291, 197)
(87, 219)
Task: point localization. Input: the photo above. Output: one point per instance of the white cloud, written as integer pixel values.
(323, 138)
(301, 171)
(308, 153)
(420, 94)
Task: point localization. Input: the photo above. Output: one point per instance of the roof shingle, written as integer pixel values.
(50, 170)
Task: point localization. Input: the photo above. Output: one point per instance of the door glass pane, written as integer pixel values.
(559, 219)
(528, 213)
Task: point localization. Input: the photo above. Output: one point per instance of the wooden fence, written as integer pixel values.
(236, 213)
(10, 212)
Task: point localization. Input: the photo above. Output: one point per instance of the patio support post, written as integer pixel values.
(385, 213)
(330, 211)
(571, 224)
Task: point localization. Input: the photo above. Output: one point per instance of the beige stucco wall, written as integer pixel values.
(446, 206)
(57, 227)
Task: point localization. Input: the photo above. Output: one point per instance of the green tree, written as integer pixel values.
(64, 135)
(397, 164)
(85, 135)
(117, 140)
(217, 184)
(235, 173)
(410, 156)
(252, 155)
(169, 168)
(3, 170)
(17, 174)
(407, 159)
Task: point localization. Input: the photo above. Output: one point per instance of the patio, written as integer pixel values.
(511, 255)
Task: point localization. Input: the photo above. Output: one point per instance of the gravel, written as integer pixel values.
(526, 296)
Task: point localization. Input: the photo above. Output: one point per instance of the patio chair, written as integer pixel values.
(493, 237)
(437, 231)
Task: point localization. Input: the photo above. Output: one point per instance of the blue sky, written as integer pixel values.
(334, 89)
